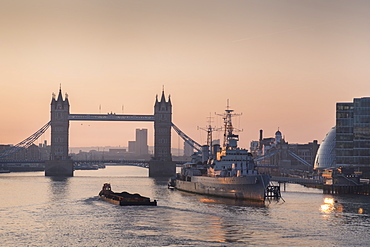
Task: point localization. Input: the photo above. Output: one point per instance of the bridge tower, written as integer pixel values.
(161, 165)
(60, 163)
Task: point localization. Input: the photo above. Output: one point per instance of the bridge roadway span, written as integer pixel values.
(110, 117)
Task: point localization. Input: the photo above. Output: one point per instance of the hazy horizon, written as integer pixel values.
(282, 64)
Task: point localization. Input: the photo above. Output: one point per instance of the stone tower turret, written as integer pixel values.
(162, 164)
(162, 128)
(60, 164)
(59, 127)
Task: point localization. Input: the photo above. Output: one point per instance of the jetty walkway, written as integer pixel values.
(296, 180)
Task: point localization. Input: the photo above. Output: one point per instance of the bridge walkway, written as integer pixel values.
(295, 180)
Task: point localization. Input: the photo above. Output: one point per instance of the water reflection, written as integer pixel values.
(160, 181)
(231, 202)
(352, 205)
(160, 188)
(231, 229)
(58, 188)
(331, 206)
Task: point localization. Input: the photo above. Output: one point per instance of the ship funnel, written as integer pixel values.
(205, 153)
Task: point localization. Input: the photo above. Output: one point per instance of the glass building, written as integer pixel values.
(325, 157)
(353, 133)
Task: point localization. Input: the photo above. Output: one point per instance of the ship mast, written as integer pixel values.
(230, 140)
(209, 130)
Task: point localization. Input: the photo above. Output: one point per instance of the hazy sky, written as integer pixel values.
(281, 63)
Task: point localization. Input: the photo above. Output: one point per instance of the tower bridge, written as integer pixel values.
(161, 165)
(60, 163)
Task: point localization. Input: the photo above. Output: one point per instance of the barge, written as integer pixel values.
(124, 198)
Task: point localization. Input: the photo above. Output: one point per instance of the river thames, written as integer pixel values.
(43, 211)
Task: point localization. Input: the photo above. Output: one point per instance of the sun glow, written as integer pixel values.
(331, 206)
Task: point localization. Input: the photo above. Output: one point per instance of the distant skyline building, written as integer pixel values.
(253, 148)
(188, 150)
(140, 145)
(131, 146)
(353, 133)
(141, 142)
(288, 158)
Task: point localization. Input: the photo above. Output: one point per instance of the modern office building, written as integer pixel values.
(353, 133)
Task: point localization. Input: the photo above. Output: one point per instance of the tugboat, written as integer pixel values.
(230, 172)
(124, 198)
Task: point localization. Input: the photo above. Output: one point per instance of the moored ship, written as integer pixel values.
(229, 172)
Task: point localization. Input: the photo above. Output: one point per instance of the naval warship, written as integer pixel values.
(230, 172)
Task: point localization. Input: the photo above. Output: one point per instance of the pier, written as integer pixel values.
(273, 191)
(334, 189)
(339, 189)
(296, 180)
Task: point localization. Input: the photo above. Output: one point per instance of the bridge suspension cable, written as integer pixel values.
(187, 139)
(25, 143)
(268, 155)
(294, 155)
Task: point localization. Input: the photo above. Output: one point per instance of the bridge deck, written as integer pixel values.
(110, 117)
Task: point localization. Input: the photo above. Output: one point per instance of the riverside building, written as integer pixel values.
(348, 143)
(353, 134)
(282, 157)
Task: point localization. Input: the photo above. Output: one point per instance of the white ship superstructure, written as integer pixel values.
(229, 173)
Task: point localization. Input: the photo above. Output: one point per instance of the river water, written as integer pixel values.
(42, 211)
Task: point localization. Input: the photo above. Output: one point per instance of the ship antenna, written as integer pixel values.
(209, 130)
(228, 126)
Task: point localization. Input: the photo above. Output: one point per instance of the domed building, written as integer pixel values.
(276, 156)
(325, 157)
(278, 136)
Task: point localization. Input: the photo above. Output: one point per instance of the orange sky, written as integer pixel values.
(282, 64)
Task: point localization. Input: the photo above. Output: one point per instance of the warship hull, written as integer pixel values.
(252, 187)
